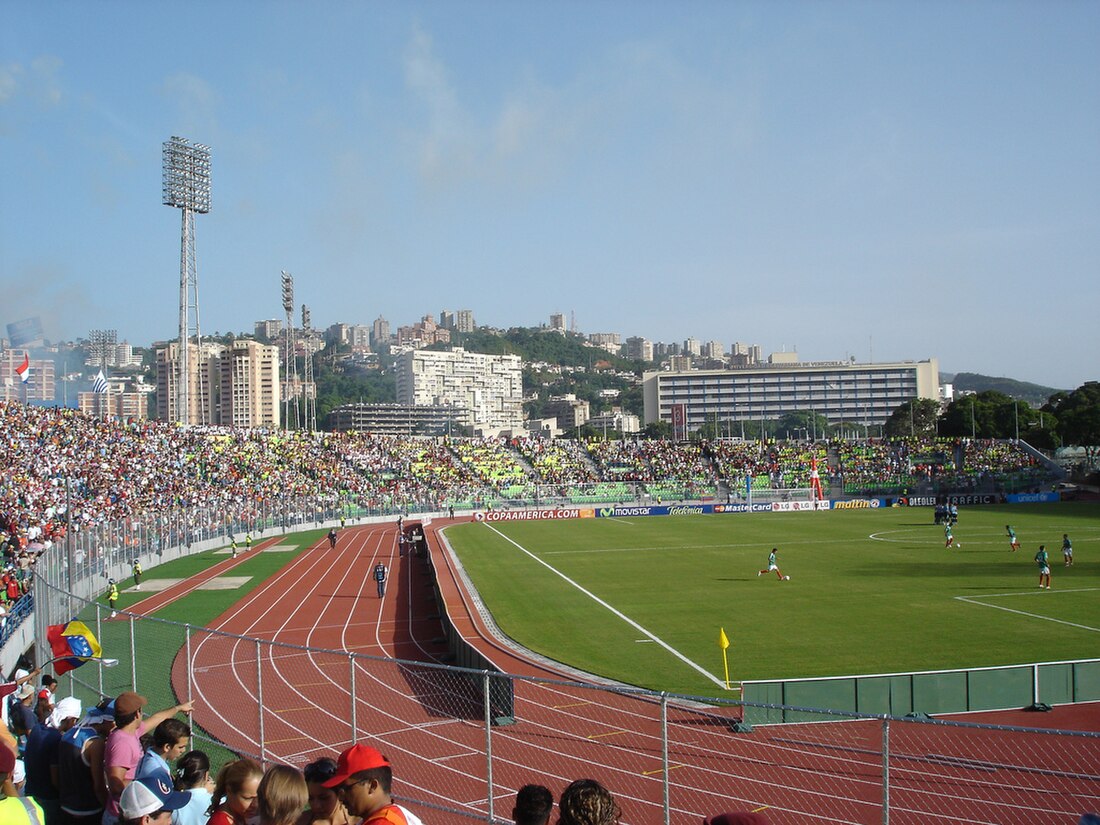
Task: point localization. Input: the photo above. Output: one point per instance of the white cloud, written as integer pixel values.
(46, 86)
(197, 102)
(9, 81)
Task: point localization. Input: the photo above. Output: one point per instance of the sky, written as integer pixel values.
(877, 180)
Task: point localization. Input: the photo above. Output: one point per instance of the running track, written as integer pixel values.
(428, 722)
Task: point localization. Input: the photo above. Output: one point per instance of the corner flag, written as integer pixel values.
(724, 643)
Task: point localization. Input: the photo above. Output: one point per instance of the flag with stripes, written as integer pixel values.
(24, 369)
(100, 383)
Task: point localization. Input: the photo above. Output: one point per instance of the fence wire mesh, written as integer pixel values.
(464, 740)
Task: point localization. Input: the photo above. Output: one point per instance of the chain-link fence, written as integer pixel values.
(464, 740)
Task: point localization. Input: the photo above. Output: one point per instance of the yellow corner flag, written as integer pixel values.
(724, 643)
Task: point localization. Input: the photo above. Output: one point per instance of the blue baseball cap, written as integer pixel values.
(150, 794)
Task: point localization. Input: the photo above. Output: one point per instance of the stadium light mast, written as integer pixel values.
(308, 388)
(290, 382)
(186, 186)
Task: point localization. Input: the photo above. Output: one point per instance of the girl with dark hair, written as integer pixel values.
(193, 774)
(325, 807)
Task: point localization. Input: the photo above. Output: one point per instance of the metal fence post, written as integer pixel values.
(260, 701)
(488, 743)
(351, 685)
(99, 635)
(190, 673)
(664, 758)
(133, 656)
(885, 770)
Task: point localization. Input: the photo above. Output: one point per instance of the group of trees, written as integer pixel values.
(1067, 418)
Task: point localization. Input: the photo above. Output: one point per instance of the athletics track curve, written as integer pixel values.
(426, 724)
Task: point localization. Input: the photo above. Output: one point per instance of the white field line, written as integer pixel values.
(602, 603)
(976, 600)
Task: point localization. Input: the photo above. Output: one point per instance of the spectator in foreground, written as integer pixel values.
(282, 795)
(79, 759)
(737, 819)
(325, 807)
(533, 805)
(235, 793)
(123, 751)
(193, 774)
(171, 738)
(150, 801)
(15, 808)
(587, 802)
(364, 781)
(40, 757)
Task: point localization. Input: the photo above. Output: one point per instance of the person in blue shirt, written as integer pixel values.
(171, 738)
(193, 774)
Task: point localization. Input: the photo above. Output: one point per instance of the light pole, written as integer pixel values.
(186, 186)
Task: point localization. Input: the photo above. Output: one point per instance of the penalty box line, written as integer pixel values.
(602, 603)
(976, 600)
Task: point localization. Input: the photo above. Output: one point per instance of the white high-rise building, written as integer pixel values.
(486, 389)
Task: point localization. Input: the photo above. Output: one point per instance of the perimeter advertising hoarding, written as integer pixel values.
(533, 515)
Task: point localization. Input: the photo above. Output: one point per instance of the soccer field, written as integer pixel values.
(642, 600)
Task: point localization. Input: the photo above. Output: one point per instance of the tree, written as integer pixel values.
(984, 415)
(1078, 416)
(915, 417)
(802, 424)
(658, 430)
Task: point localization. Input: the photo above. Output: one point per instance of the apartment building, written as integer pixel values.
(486, 389)
(841, 391)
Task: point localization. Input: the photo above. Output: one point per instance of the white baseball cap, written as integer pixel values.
(151, 794)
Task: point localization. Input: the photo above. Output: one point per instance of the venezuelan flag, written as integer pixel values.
(72, 645)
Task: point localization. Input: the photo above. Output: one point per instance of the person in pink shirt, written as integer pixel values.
(123, 750)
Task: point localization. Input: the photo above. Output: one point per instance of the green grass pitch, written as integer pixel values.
(641, 600)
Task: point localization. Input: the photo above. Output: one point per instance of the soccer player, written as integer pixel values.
(1012, 541)
(1043, 561)
(947, 535)
(773, 564)
(1067, 549)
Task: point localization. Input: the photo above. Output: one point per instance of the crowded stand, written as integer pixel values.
(171, 483)
(779, 465)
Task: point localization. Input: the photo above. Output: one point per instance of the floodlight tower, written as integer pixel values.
(290, 358)
(186, 186)
(309, 389)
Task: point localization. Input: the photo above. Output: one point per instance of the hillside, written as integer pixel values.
(1034, 394)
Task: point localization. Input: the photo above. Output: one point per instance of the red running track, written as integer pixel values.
(428, 721)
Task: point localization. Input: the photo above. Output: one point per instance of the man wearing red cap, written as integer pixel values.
(363, 779)
(123, 750)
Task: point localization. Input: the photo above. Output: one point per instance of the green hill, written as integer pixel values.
(1034, 394)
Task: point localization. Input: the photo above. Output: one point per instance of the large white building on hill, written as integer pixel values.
(864, 394)
(485, 390)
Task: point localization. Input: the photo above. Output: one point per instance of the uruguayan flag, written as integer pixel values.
(100, 383)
